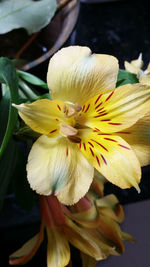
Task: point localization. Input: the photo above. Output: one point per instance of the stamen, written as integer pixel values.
(68, 130)
(77, 107)
(75, 139)
(71, 112)
(72, 109)
(64, 108)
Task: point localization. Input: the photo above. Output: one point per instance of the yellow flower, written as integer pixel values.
(93, 229)
(135, 66)
(88, 124)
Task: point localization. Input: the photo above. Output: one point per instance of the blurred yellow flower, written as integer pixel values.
(88, 124)
(91, 225)
(135, 66)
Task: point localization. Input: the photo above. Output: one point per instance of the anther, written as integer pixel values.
(74, 139)
(68, 130)
(77, 107)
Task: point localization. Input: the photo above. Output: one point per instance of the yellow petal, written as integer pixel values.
(109, 206)
(145, 79)
(89, 218)
(55, 165)
(88, 261)
(127, 237)
(43, 116)
(135, 65)
(97, 188)
(117, 110)
(112, 157)
(86, 241)
(75, 75)
(138, 136)
(58, 251)
(111, 231)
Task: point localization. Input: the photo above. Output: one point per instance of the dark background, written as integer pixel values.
(119, 28)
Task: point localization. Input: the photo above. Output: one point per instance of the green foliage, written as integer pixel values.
(7, 165)
(8, 120)
(32, 79)
(125, 77)
(28, 14)
(25, 196)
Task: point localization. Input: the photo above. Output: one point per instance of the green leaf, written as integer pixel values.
(7, 165)
(125, 77)
(8, 160)
(25, 196)
(32, 79)
(45, 96)
(28, 14)
(8, 76)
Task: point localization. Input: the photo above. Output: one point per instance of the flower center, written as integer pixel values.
(71, 110)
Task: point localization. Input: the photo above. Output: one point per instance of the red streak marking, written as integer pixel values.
(106, 120)
(87, 108)
(100, 115)
(109, 96)
(101, 112)
(91, 151)
(53, 131)
(109, 139)
(83, 108)
(98, 98)
(96, 130)
(104, 134)
(90, 144)
(104, 159)
(98, 105)
(57, 119)
(115, 123)
(100, 109)
(124, 146)
(98, 160)
(84, 146)
(59, 107)
(100, 145)
(125, 132)
(67, 152)
(80, 145)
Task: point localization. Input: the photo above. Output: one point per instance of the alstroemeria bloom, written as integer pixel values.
(86, 126)
(135, 66)
(91, 225)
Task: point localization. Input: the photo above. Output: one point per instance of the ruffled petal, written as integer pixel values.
(86, 241)
(110, 207)
(43, 116)
(112, 157)
(87, 261)
(138, 136)
(117, 110)
(112, 232)
(28, 250)
(58, 251)
(145, 79)
(56, 166)
(135, 65)
(75, 75)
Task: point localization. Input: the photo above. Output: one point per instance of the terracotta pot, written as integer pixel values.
(45, 43)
